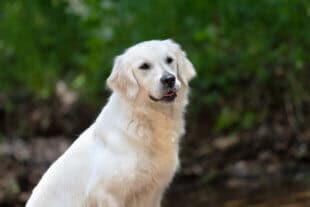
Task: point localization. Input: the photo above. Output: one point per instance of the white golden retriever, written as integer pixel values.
(129, 155)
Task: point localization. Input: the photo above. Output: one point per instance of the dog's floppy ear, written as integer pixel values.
(122, 78)
(186, 70)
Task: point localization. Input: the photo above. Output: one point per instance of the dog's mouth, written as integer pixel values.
(169, 96)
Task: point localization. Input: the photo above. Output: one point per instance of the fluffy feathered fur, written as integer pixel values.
(128, 156)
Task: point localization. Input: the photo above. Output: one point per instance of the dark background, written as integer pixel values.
(248, 120)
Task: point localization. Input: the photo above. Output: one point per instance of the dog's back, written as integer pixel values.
(67, 177)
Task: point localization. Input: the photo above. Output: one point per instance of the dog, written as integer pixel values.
(129, 155)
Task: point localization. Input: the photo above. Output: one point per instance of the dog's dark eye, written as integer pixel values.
(169, 60)
(145, 66)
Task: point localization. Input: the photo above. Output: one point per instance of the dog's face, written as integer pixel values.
(156, 69)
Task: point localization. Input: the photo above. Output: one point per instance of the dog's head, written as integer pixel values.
(156, 69)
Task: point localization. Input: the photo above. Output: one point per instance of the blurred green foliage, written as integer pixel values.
(251, 56)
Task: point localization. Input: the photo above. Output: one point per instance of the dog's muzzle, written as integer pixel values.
(170, 92)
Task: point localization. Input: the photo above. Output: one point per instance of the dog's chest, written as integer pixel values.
(155, 165)
(141, 171)
(131, 177)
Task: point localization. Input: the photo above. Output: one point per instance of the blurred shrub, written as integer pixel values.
(250, 56)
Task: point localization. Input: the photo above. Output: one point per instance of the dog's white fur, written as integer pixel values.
(130, 154)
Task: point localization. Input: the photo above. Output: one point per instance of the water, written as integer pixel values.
(280, 196)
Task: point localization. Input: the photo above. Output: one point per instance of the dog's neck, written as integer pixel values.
(146, 123)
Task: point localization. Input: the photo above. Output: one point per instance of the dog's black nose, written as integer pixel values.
(168, 80)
